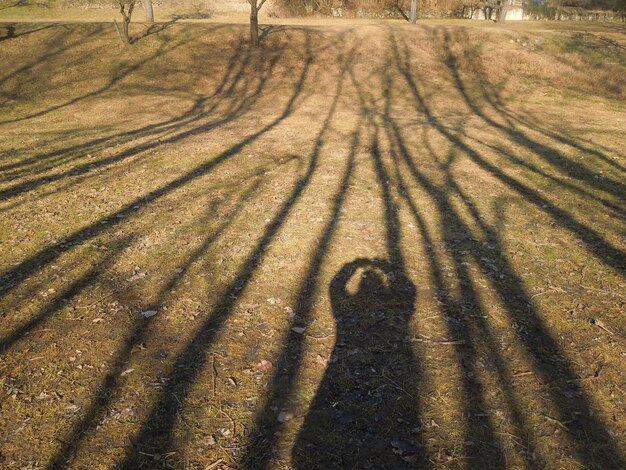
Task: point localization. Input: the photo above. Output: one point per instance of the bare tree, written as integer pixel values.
(413, 11)
(501, 11)
(126, 9)
(147, 5)
(255, 6)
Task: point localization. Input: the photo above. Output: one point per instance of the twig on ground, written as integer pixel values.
(232, 421)
(548, 291)
(214, 375)
(320, 337)
(604, 291)
(556, 421)
(520, 374)
(600, 325)
(214, 464)
(582, 378)
(232, 460)
(96, 302)
(395, 384)
(595, 375)
(425, 339)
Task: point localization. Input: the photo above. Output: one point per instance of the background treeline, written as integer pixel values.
(542, 8)
(303, 7)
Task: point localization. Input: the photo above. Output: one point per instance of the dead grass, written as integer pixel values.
(226, 189)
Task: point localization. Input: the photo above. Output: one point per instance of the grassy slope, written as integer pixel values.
(225, 188)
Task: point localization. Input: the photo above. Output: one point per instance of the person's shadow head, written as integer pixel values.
(364, 414)
(363, 286)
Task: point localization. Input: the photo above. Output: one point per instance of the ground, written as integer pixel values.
(363, 245)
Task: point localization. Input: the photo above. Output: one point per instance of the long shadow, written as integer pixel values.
(57, 46)
(156, 28)
(479, 429)
(180, 128)
(241, 69)
(70, 292)
(581, 192)
(118, 77)
(574, 408)
(550, 155)
(266, 429)
(469, 331)
(406, 440)
(470, 60)
(202, 106)
(235, 89)
(107, 391)
(81, 172)
(595, 243)
(12, 33)
(491, 96)
(156, 432)
(332, 431)
(111, 381)
(17, 3)
(13, 277)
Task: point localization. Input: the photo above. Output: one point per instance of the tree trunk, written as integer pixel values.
(125, 34)
(254, 25)
(147, 5)
(126, 16)
(504, 6)
(413, 11)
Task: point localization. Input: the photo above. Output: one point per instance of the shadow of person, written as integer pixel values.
(365, 412)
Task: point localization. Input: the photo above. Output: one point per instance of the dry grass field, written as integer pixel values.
(359, 246)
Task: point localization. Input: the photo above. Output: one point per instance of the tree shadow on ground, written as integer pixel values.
(12, 31)
(574, 407)
(110, 383)
(12, 278)
(319, 444)
(367, 411)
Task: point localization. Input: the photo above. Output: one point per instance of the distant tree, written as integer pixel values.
(501, 10)
(147, 5)
(125, 7)
(413, 11)
(255, 7)
(126, 10)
